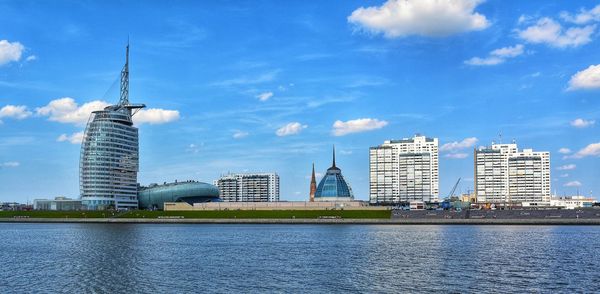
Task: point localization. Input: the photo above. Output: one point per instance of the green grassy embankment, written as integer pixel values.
(255, 214)
(214, 214)
(57, 214)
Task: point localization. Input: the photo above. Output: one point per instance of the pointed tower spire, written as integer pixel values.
(313, 185)
(333, 156)
(124, 100)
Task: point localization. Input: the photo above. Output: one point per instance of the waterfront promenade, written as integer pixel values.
(587, 216)
(393, 221)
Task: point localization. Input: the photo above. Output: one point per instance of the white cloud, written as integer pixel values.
(9, 164)
(15, 111)
(523, 18)
(567, 167)
(477, 61)
(457, 155)
(589, 150)
(264, 96)
(432, 18)
(513, 51)
(582, 123)
(341, 128)
(588, 78)
(564, 150)
(75, 138)
(66, 110)
(573, 184)
(10, 52)
(240, 134)
(564, 175)
(194, 148)
(31, 58)
(497, 56)
(584, 16)
(155, 116)
(455, 146)
(292, 128)
(547, 31)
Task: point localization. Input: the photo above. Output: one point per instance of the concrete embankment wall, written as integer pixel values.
(394, 221)
(528, 214)
(278, 205)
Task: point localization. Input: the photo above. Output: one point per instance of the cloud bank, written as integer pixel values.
(341, 128)
(430, 18)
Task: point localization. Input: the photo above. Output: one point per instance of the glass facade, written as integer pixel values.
(154, 196)
(333, 186)
(109, 160)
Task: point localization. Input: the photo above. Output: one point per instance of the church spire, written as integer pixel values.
(313, 184)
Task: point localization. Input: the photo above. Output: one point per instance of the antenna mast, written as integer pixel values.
(124, 100)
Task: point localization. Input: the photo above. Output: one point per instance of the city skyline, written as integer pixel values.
(272, 86)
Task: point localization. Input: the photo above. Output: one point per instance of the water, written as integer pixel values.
(136, 258)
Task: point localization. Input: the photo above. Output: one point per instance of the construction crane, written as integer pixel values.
(454, 189)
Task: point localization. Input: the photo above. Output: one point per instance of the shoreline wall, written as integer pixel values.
(393, 221)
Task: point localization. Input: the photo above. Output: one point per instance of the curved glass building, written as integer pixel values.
(109, 158)
(333, 186)
(154, 196)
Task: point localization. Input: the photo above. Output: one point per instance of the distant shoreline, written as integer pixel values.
(581, 221)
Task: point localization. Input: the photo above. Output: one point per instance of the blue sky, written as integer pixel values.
(243, 86)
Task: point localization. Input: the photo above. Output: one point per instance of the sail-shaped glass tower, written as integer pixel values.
(109, 160)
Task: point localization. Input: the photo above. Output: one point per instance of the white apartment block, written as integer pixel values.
(491, 172)
(250, 187)
(404, 170)
(505, 174)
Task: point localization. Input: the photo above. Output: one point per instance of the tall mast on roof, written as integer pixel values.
(333, 156)
(124, 100)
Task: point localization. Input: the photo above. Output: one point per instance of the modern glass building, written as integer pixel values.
(333, 186)
(109, 159)
(154, 196)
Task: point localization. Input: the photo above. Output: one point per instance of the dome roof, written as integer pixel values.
(333, 185)
(190, 192)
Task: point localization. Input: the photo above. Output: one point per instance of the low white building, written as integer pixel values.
(572, 202)
(59, 203)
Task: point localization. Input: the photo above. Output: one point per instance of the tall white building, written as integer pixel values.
(505, 174)
(491, 172)
(251, 187)
(404, 170)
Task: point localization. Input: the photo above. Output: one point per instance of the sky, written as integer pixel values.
(271, 86)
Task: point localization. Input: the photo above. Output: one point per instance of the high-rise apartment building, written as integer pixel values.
(109, 159)
(491, 172)
(251, 187)
(503, 174)
(404, 170)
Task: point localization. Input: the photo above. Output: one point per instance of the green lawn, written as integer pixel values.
(357, 214)
(273, 214)
(56, 214)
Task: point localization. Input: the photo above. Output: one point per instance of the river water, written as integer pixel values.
(171, 258)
